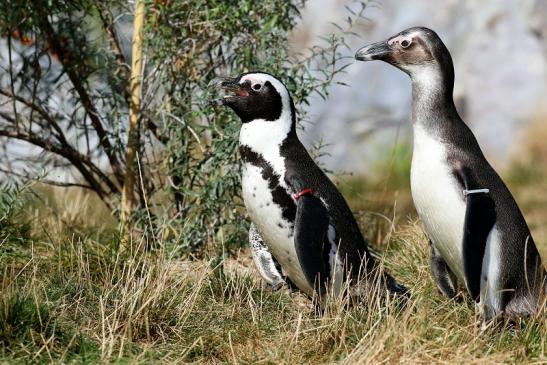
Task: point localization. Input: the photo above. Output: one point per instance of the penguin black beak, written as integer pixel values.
(229, 84)
(224, 83)
(374, 51)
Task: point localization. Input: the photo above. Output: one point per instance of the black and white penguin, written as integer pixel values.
(302, 229)
(477, 233)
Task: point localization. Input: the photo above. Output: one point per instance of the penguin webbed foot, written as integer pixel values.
(457, 297)
(398, 292)
(291, 287)
(501, 322)
(286, 283)
(277, 286)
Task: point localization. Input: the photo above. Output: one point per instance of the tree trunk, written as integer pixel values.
(128, 193)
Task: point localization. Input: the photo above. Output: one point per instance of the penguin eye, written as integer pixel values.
(257, 87)
(405, 43)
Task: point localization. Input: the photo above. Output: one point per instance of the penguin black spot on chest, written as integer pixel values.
(280, 196)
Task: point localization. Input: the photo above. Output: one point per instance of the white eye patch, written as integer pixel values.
(256, 82)
(261, 79)
(404, 40)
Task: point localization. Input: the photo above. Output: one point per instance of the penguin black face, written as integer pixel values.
(412, 47)
(256, 96)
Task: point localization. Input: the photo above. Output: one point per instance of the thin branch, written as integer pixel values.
(59, 150)
(62, 139)
(133, 140)
(85, 99)
(123, 67)
(12, 83)
(153, 127)
(65, 184)
(44, 114)
(45, 181)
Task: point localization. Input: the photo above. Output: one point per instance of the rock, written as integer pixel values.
(500, 55)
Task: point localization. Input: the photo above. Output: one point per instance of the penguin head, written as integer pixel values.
(412, 50)
(256, 96)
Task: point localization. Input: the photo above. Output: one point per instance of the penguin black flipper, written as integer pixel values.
(480, 217)
(310, 233)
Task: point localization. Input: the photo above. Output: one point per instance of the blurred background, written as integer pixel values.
(499, 49)
(65, 104)
(123, 235)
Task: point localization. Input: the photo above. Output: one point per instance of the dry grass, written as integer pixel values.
(68, 296)
(74, 299)
(527, 178)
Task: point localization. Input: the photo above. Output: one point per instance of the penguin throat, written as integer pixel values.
(261, 134)
(431, 93)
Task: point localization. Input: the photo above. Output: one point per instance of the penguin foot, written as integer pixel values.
(399, 292)
(458, 297)
(277, 286)
(499, 323)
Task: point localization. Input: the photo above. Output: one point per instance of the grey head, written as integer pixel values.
(413, 47)
(417, 51)
(421, 54)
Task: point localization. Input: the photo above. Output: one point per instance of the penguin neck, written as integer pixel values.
(432, 99)
(266, 137)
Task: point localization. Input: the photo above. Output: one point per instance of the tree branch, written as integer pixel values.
(59, 150)
(153, 127)
(49, 119)
(85, 99)
(45, 181)
(123, 67)
(62, 139)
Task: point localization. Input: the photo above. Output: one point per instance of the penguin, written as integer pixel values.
(477, 234)
(303, 233)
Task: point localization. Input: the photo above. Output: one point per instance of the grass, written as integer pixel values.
(72, 298)
(77, 301)
(68, 296)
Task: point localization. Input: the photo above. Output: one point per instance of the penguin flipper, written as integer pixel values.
(310, 231)
(480, 217)
(266, 264)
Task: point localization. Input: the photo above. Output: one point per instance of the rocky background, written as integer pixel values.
(499, 50)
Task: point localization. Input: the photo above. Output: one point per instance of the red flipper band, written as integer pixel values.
(306, 191)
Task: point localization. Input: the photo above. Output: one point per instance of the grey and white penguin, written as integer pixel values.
(302, 231)
(478, 235)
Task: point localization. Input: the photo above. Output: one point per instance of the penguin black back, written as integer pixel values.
(288, 197)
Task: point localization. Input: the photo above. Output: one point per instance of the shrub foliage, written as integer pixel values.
(65, 100)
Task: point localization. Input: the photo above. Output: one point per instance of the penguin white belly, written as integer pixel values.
(277, 232)
(438, 199)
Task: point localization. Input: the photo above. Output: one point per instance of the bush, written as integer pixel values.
(189, 43)
(66, 93)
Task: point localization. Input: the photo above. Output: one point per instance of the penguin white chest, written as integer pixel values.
(437, 198)
(276, 231)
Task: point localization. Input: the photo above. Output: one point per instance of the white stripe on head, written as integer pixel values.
(264, 136)
(261, 78)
